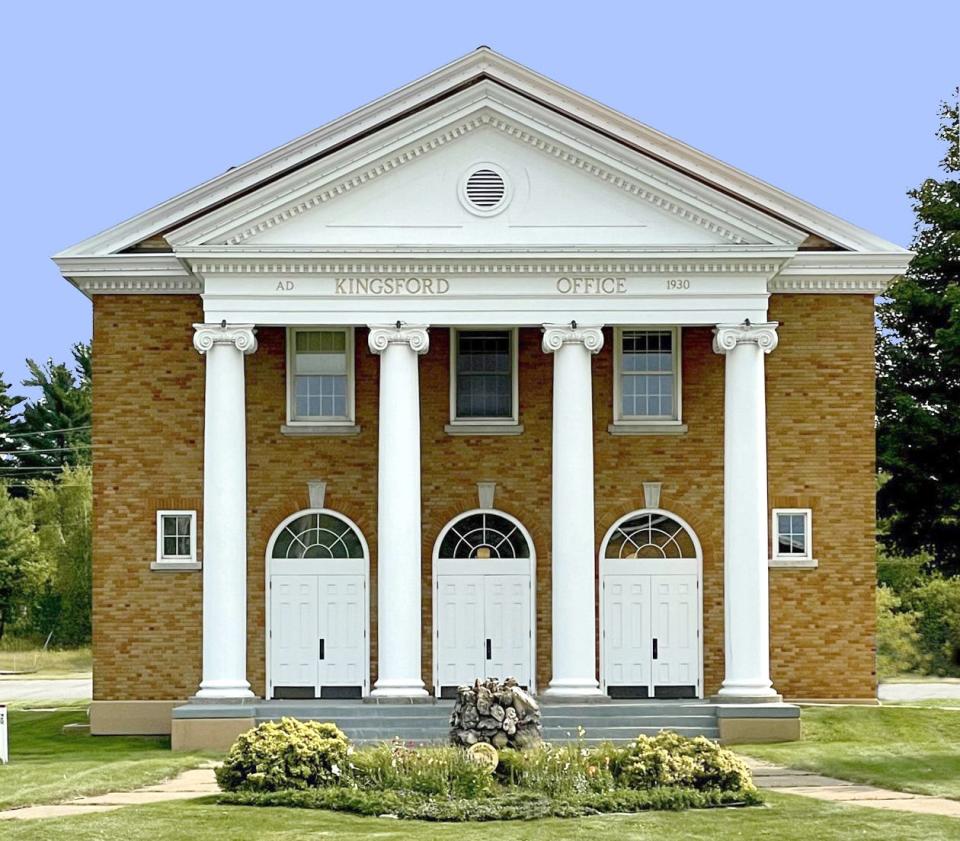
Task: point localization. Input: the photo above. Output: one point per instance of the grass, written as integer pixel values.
(47, 766)
(915, 750)
(785, 819)
(27, 660)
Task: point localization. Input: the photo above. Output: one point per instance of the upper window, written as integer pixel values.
(647, 374)
(176, 537)
(792, 534)
(483, 376)
(320, 374)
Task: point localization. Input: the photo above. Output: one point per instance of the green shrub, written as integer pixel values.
(439, 770)
(668, 760)
(936, 602)
(508, 805)
(290, 754)
(898, 638)
(559, 769)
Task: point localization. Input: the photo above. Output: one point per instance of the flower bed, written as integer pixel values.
(311, 765)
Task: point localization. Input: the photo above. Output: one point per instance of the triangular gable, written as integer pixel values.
(483, 65)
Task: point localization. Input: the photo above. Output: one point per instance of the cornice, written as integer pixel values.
(727, 336)
(555, 336)
(141, 274)
(840, 272)
(381, 336)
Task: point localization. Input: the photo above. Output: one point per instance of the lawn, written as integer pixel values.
(47, 766)
(786, 819)
(906, 749)
(31, 661)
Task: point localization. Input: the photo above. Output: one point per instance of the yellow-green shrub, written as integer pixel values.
(669, 760)
(288, 754)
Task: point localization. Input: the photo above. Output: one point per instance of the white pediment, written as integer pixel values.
(548, 202)
(567, 186)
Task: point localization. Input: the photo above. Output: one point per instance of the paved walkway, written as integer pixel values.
(198, 782)
(809, 784)
(918, 691)
(68, 689)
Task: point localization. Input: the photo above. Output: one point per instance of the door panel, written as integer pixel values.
(507, 626)
(460, 632)
(674, 626)
(293, 624)
(342, 628)
(626, 624)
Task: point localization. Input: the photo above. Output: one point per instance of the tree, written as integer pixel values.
(8, 423)
(21, 564)
(54, 430)
(61, 511)
(918, 374)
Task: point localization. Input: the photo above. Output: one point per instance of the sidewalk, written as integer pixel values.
(45, 689)
(808, 784)
(198, 782)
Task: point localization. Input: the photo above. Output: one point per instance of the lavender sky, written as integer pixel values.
(111, 108)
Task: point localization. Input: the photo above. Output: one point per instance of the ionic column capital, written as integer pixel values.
(555, 336)
(241, 336)
(383, 335)
(727, 336)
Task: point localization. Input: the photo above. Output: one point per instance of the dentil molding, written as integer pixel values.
(727, 336)
(241, 336)
(381, 336)
(555, 336)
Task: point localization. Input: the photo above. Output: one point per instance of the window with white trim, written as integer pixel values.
(176, 537)
(483, 376)
(647, 375)
(320, 375)
(792, 534)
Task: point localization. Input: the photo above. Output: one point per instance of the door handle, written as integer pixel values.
(321, 649)
(654, 648)
(489, 650)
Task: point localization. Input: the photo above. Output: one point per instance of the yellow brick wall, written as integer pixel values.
(820, 411)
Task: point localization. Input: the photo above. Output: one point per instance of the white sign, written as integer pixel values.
(4, 757)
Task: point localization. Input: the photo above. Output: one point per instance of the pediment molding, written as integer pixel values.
(620, 178)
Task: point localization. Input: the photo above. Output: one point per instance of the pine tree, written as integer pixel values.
(55, 428)
(918, 374)
(8, 423)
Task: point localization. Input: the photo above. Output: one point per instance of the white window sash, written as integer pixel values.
(676, 417)
(293, 372)
(807, 553)
(514, 418)
(162, 556)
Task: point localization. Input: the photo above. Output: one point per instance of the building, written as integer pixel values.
(481, 378)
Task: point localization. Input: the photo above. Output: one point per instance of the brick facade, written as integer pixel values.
(148, 439)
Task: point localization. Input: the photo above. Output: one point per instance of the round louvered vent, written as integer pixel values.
(484, 190)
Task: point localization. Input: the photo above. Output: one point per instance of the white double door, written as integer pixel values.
(651, 634)
(317, 635)
(483, 629)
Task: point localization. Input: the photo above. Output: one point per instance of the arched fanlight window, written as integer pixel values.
(483, 535)
(318, 535)
(650, 534)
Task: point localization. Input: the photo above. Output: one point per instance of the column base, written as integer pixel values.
(573, 688)
(224, 689)
(747, 692)
(399, 688)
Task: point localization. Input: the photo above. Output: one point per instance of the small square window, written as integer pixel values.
(176, 537)
(792, 537)
(320, 375)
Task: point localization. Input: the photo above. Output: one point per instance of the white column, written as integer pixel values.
(224, 510)
(572, 542)
(745, 547)
(398, 510)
